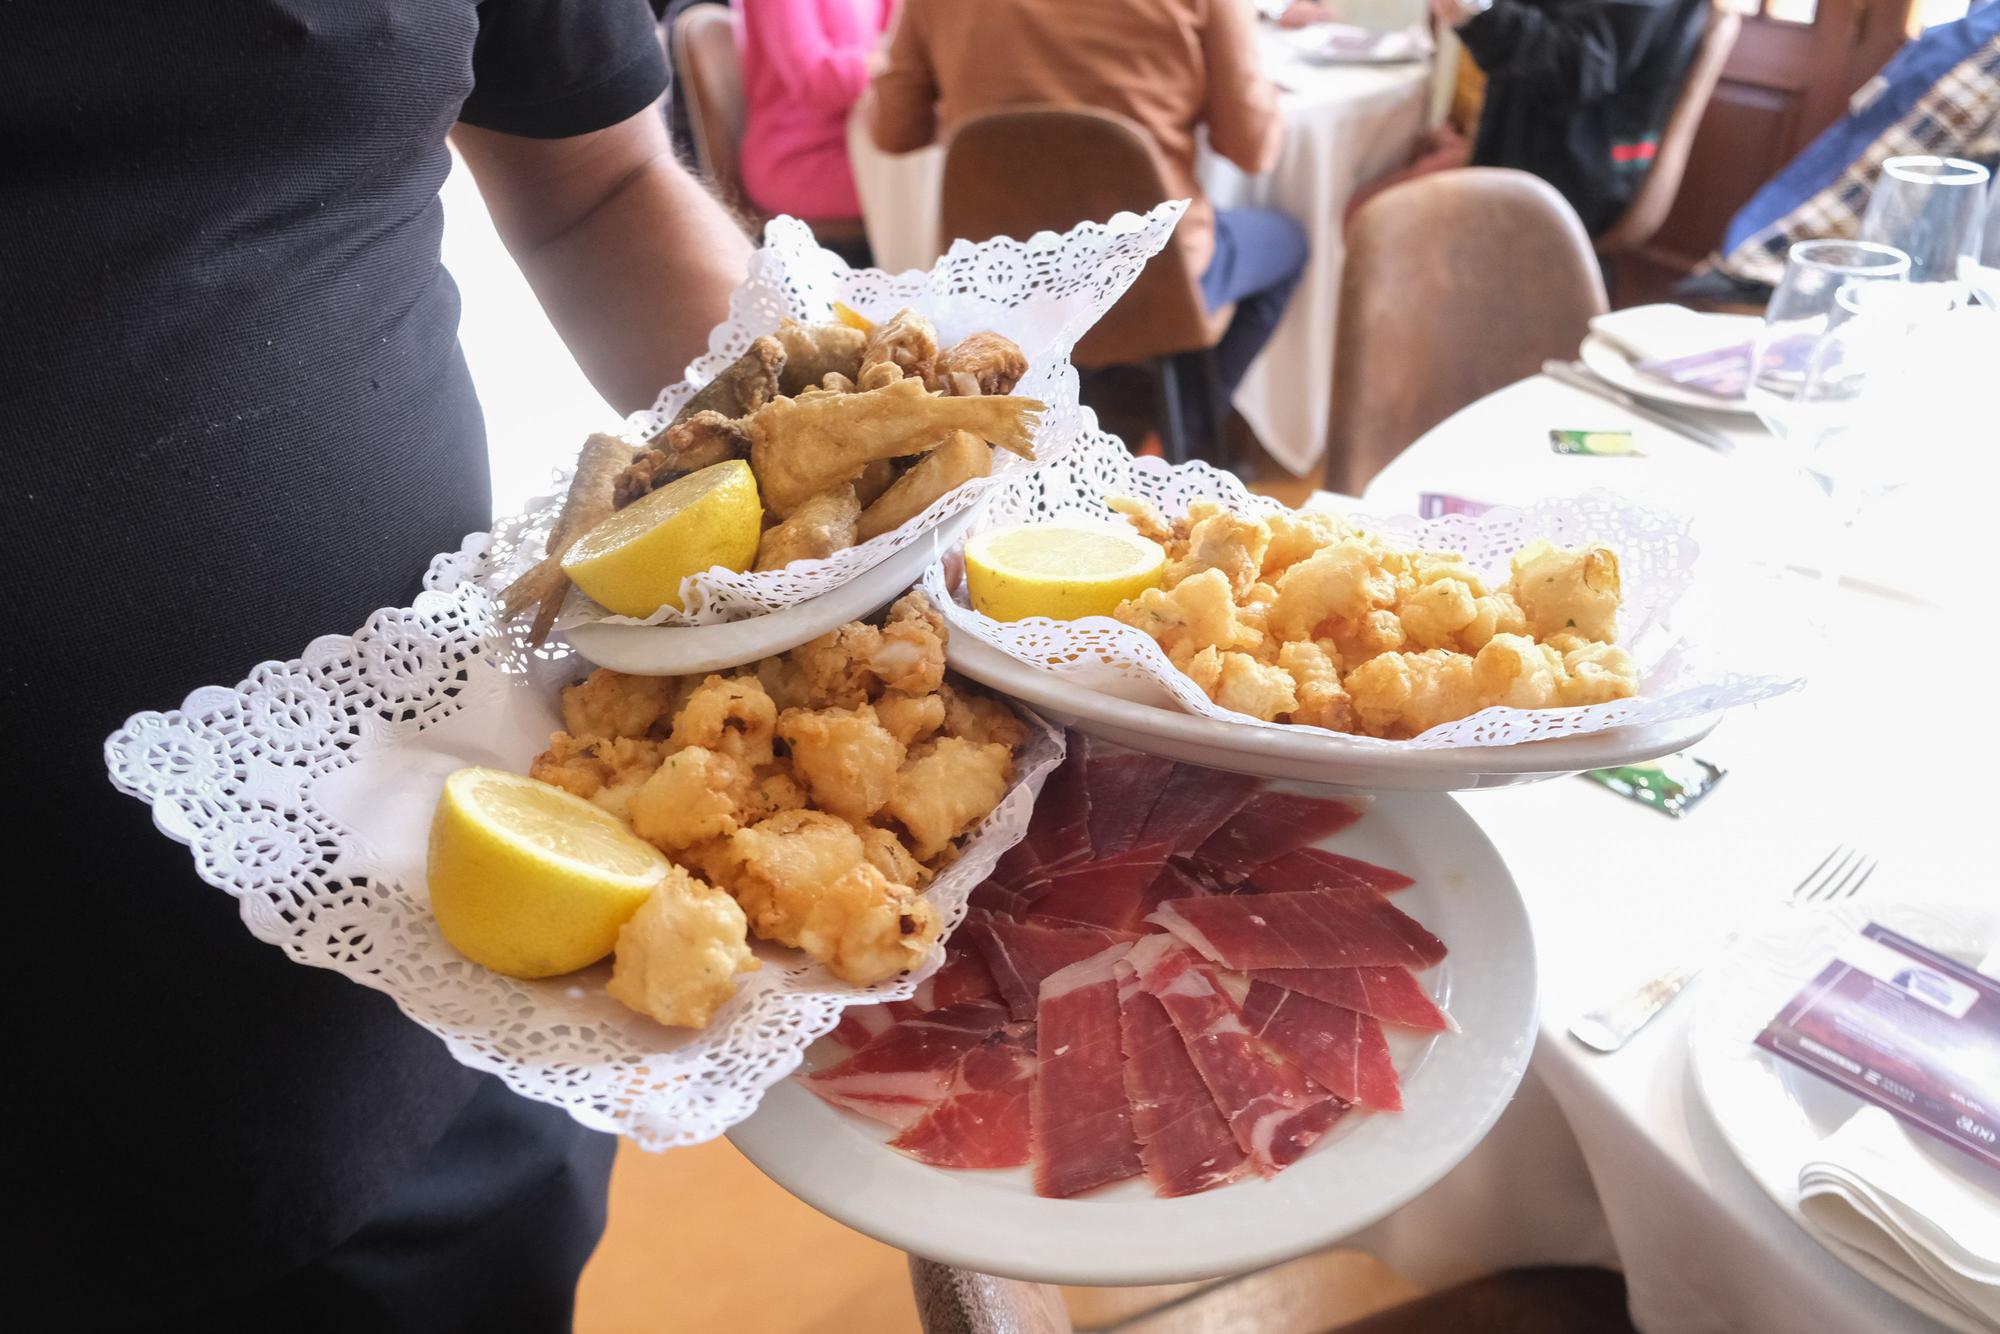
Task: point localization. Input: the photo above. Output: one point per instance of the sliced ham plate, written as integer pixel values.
(897, 1078)
(1270, 825)
(1193, 805)
(1060, 834)
(1020, 955)
(962, 977)
(1347, 929)
(1080, 1123)
(1342, 1050)
(1316, 868)
(1274, 1111)
(1118, 894)
(983, 1120)
(1123, 788)
(1184, 1140)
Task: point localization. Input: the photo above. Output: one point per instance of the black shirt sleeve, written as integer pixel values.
(549, 69)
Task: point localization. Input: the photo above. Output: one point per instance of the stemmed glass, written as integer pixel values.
(1981, 272)
(1802, 385)
(1931, 209)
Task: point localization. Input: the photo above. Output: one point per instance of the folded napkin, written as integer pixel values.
(1343, 44)
(1922, 1209)
(1710, 353)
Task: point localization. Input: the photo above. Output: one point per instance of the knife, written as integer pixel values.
(1578, 376)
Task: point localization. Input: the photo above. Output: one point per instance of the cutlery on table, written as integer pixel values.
(1840, 876)
(1579, 376)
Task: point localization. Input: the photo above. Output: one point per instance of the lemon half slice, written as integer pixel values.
(1059, 571)
(633, 562)
(530, 880)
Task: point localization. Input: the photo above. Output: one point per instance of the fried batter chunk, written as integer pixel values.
(678, 956)
(846, 758)
(945, 787)
(613, 704)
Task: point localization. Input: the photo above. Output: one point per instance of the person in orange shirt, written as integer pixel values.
(1170, 65)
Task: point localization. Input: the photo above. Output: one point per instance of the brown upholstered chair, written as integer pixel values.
(1657, 192)
(1454, 285)
(1046, 168)
(710, 69)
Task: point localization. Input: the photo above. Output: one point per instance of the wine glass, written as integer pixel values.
(1802, 386)
(1981, 272)
(1931, 209)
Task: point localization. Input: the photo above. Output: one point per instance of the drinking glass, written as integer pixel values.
(1931, 209)
(1981, 272)
(1803, 384)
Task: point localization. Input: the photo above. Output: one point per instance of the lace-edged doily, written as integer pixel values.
(305, 793)
(1666, 623)
(1044, 293)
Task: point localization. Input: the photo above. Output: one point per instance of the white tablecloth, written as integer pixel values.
(1615, 1159)
(1344, 126)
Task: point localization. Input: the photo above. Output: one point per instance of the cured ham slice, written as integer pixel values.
(1316, 868)
(1392, 995)
(1019, 955)
(1060, 832)
(1270, 825)
(963, 976)
(898, 1077)
(1080, 1122)
(1352, 929)
(1273, 1110)
(1342, 1050)
(1123, 787)
(1117, 895)
(1184, 1142)
(1193, 805)
(1017, 880)
(983, 1121)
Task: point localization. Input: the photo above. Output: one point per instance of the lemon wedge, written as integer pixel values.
(529, 880)
(852, 318)
(1062, 572)
(633, 562)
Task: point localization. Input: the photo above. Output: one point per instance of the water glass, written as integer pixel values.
(1930, 208)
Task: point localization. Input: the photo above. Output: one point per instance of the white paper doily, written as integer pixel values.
(1672, 633)
(1044, 293)
(305, 792)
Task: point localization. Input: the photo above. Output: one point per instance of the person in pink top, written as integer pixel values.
(805, 64)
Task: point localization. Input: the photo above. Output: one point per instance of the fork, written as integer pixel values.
(1839, 876)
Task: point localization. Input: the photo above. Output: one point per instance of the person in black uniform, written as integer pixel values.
(1577, 91)
(235, 418)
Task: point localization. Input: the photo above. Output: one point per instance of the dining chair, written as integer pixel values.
(709, 66)
(1454, 285)
(1662, 184)
(1035, 168)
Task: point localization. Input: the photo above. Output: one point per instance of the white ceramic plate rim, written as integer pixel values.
(1089, 709)
(1745, 1088)
(836, 1162)
(1601, 357)
(679, 650)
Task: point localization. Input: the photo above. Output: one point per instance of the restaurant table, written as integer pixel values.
(1615, 1158)
(1344, 126)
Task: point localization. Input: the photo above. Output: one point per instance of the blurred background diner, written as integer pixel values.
(1421, 237)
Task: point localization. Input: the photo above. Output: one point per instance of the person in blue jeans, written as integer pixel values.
(1259, 256)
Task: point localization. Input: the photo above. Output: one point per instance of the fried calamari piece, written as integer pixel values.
(803, 446)
(972, 715)
(804, 880)
(1148, 522)
(1598, 673)
(886, 853)
(962, 457)
(1346, 581)
(906, 341)
(946, 787)
(855, 664)
(602, 770)
(1297, 534)
(678, 956)
(911, 718)
(690, 799)
(823, 525)
(1219, 539)
(1567, 589)
(1315, 672)
(700, 441)
(730, 715)
(994, 362)
(847, 760)
(1195, 614)
(815, 351)
(744, 385)
(1240, 682)
(782, 680)
(614, 704)
(1404, 694)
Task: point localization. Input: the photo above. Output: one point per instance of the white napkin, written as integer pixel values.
(1662, 331)
(1922, 1209)
(1344, 43)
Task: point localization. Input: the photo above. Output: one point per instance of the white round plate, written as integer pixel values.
(680, 650)
(1326, 758)
(1773, 1113)
(1608, 362)
(1454, 1087)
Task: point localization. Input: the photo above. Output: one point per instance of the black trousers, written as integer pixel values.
(488, 1234)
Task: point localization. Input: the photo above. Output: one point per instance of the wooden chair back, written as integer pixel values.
(710, 69)
(1038, 168)
(1454, 285)
(1662, 185)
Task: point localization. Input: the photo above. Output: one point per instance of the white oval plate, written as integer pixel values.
(681, 650)
(1773, 1113)
(1608, 362)
(1327, 758)
(1454, 1087)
